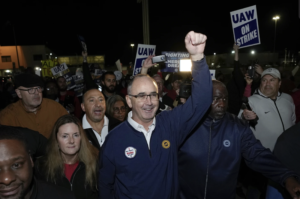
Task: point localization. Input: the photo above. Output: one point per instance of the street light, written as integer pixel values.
(252, 52)
(214, 53)
(132, 45)
(232, 52)
(275, 18)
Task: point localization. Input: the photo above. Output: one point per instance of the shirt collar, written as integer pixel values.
(138, 126)
(260, 93)
(86, 124)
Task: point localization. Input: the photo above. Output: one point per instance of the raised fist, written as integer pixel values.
(195, 45)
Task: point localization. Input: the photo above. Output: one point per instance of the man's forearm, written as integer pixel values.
(144, 71)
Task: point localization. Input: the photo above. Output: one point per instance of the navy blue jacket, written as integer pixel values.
(216, 147)
(153, 173)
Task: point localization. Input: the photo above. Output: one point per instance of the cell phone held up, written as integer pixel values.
(157, 59)
(251, 71)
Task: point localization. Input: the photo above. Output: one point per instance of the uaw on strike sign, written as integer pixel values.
(245, 27)
(143, 51)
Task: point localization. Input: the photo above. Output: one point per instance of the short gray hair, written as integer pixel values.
(131, 81)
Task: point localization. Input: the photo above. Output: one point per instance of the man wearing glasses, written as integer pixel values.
(32, 110)
(139, 157)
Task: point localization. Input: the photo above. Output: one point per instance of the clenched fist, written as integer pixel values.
(195, 45)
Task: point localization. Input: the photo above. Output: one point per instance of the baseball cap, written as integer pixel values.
(271, 71)
(28, 80)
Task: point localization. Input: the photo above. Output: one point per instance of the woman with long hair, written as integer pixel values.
(116, 107)
(70, 161)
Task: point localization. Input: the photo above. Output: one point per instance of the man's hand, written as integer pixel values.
(249, 115)
(235, 47)
(195, 45)
(293, 187)
(248, 79)
(236, 51)
(182, 100)
(147, 64)
(258, 69)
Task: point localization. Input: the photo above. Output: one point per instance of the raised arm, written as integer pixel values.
(88, 80)
(147, 64)
(184, 118)
(236, 52)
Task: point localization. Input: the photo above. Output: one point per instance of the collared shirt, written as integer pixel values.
(104, 131)
(140, 128)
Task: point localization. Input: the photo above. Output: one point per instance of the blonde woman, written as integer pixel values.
(71, 161)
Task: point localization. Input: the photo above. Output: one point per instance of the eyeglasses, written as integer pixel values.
(143, 97)
(32, 90)
(119, 110)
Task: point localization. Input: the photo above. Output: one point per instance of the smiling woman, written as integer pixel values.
(69, 154)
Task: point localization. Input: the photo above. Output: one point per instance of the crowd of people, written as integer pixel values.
(198, 139)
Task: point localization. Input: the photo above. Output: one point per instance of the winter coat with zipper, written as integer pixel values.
(274, 116)
(76, 185)
(209, 159)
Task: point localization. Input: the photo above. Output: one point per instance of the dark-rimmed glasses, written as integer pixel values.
(143, 97)
(32, 90)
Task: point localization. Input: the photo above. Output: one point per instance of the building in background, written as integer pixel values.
(32, 55)
(28, 56)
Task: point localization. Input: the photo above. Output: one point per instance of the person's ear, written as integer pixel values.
(128, 100)
(279, 83)
(18, 93)
(82, 107)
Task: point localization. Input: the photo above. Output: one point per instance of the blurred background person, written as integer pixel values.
(68, 99)
(51, 90)
(116, 107)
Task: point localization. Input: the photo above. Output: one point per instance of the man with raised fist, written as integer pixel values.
(139, 157)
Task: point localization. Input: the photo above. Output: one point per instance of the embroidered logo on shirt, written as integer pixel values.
(130, 152)
(267, 112)
(226, 143)
(166, 144)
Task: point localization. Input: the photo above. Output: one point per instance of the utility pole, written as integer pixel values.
(146, 30)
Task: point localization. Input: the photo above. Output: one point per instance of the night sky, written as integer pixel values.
(110, 26)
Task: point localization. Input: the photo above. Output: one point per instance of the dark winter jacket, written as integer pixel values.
(209, 160)
(76, 185)
(45, 190)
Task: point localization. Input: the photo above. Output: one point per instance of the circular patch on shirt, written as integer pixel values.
(166, 144)
(130, 152)
(226, 143)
